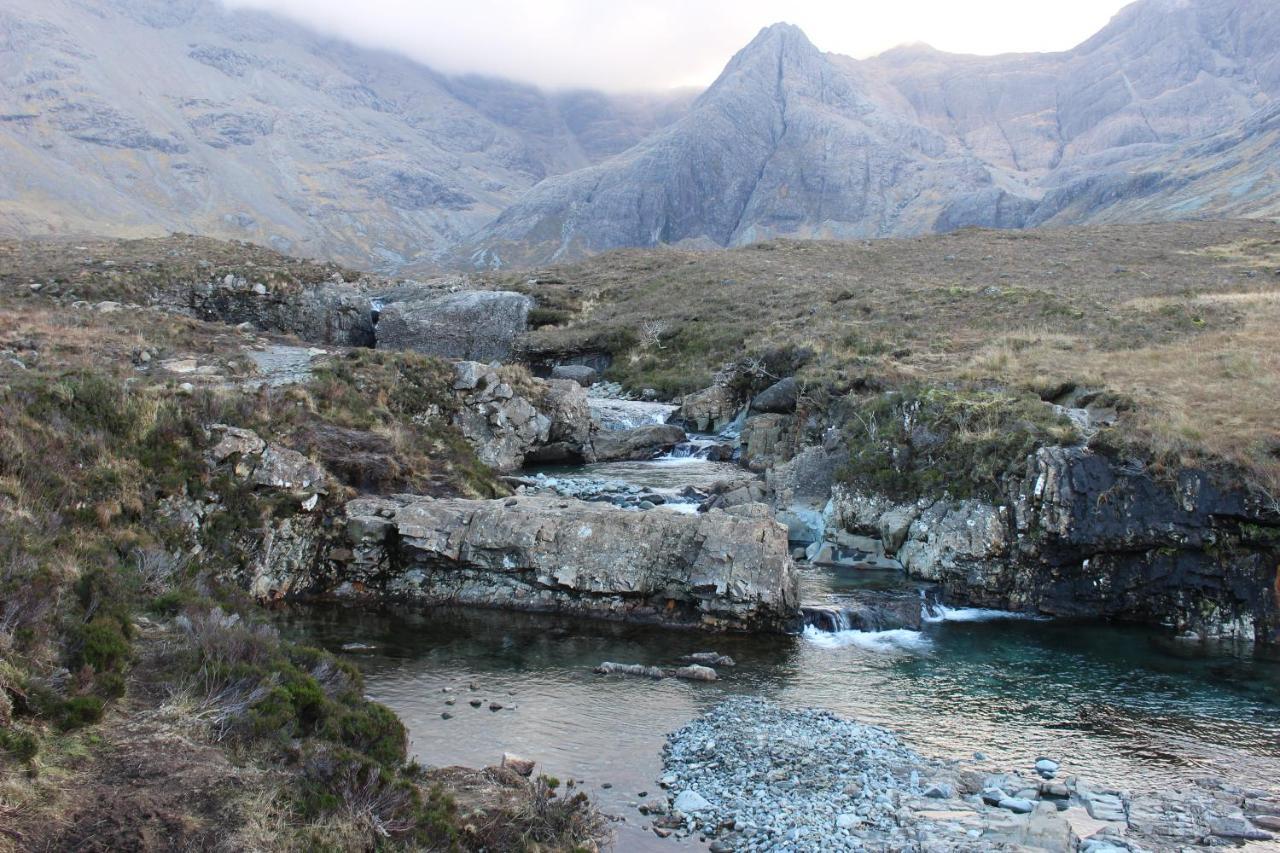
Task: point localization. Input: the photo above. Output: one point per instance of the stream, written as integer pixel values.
(1125, 706)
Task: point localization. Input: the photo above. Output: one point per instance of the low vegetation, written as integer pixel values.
(144, 702)
(1179, 318)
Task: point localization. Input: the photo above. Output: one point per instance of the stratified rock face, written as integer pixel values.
(506, 428)
(478, 325)
(1084, 536)
(337, 314)
(709, 410)
(715, 571)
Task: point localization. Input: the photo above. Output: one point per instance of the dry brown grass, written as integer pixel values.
(1183, 318)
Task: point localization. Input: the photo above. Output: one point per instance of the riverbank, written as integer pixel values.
(751, 775)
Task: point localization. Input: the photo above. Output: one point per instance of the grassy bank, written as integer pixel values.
(1180, 319)
(145, 701)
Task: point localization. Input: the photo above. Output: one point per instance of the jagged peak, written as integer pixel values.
(779, 37)
(772, 46)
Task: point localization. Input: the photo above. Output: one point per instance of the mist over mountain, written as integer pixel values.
(131, 117)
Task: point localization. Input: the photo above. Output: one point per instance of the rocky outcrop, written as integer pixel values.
(336, 314)
(477, 325)
(569, 440)
(715, 570)
(506, 428)
(644, 442)
(709, 410)
(1081, 534)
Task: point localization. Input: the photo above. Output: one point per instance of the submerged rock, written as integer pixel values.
(714, 570)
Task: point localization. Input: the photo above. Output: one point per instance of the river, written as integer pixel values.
(1125, 706)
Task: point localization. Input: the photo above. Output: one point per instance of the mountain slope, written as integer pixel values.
(791, 141)
(143, 116)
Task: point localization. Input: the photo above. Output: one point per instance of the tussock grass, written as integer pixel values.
(1180, 318)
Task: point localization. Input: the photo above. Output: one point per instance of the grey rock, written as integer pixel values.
(691, 802)
(779, 398)
(714, 571)
(639, 443)
(476, 325)
(580, 373)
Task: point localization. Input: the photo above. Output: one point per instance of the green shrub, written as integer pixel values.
(20, 743)
(103, 644)
(80, 711)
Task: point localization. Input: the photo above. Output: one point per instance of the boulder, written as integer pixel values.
(639, 443)
(714, 570)
(579, 373)
(233, 440)
(289, 470)
(779, 398)
(336, 314)
(480, 325)
(516, 764)
(709, 410)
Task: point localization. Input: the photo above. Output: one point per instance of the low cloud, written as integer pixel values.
(654, 44)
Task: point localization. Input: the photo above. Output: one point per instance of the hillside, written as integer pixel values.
(1179, 319)
(141, 117)
(790, 141)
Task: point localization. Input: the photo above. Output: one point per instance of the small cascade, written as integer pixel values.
(831, 618)
(611, 413)
(706, 448)
(933, 611)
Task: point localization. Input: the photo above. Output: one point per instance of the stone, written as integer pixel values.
(640, 443)
(232, 441)
(939, 791)
(778, 398)
(477, 325)
(611, 668)
(1046, 767)
(847, 821)
(691, 802)
(522, 766)
(711, 570)
(579, 373)
(475, 703)
(1017, 805)
(289, 470)
(709, 410)
(696, 672)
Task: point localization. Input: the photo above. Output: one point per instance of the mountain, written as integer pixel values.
(131, 117)
(1141, 121)
(134, 117)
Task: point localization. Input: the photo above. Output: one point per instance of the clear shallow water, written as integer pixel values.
(1121, 706)
(1117, 705)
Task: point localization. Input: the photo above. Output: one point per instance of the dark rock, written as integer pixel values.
(779, 398)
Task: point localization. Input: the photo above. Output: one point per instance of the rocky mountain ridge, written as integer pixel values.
(141, 117)
(1164, 114)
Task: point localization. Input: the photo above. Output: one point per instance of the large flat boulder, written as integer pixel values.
(640, 443)
(480, 325)
(715, 570)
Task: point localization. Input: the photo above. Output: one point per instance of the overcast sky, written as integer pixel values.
(653, 44)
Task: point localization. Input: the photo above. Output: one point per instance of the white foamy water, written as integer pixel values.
(941, 613)
(613, 414)
(896, 641)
